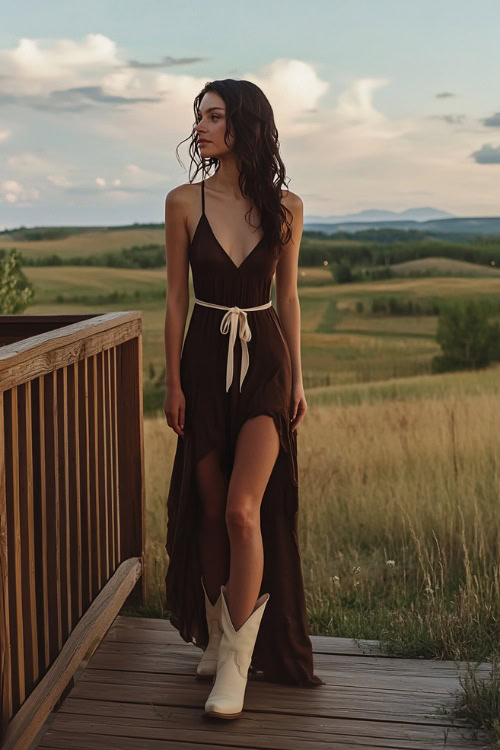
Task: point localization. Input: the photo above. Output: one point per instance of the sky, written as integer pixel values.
(385, 104)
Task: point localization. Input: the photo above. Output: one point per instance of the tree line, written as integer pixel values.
(373, 250)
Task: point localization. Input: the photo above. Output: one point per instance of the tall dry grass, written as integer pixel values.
(399, 523)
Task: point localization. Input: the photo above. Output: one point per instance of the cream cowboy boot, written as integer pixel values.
(233, 661)
(208, 663)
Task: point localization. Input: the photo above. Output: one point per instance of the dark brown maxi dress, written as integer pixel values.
(283, 651)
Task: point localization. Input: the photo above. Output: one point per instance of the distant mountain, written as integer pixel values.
(467, 227)
(425, 213)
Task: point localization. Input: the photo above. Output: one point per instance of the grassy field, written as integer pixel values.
(399, 468)
(444, 266)
(88, 242)
(339, 344)
(399, 523)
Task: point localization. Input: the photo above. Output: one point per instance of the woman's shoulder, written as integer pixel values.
(182, 200)
(290, 200)
(182, 193)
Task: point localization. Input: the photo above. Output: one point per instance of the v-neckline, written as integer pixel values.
(227, 254)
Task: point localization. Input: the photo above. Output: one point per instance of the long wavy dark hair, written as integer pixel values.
(261, 169)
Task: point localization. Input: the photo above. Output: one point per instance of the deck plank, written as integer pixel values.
(327, 700)
(139, 692)
(128, 630)
(337, 676)
(182, 659)
(270, 730)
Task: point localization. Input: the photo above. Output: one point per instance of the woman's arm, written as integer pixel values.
(177, 301)
(287, 302)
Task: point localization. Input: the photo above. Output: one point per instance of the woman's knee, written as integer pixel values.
(242, 515)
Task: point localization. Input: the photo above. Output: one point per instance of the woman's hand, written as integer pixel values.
(175, 409)
(299, 405)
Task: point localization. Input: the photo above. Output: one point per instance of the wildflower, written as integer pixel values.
(356, 583)
(356, 569)
(390, 563)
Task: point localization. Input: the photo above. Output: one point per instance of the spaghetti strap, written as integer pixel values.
(203, 197)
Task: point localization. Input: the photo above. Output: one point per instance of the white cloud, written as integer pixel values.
(294, 90)
(33, 166)
(58, 180)
(355, 105)
(122, 82)
(35, 65)
(11, 186)
(11, 191)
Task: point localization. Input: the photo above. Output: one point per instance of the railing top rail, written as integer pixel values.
(65, 344)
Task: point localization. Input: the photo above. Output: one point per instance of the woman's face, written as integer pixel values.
(212, 125)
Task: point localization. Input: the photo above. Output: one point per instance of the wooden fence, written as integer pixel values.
(71, 500)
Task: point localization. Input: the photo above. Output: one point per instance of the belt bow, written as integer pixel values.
(234, 319)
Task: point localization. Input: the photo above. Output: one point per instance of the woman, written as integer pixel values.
(234, 397)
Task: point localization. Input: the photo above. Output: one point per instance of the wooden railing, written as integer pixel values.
(71, 500)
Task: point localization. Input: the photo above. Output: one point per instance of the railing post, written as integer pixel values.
(5, 650)
(131, 459)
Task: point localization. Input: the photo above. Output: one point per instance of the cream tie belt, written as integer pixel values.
(233, 316)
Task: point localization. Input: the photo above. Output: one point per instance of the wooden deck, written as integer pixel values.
(138, 692)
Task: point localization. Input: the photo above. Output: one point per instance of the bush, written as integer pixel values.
(342, 273)
(383, 305)
(468, 340)
(16, 291)
(374, 274)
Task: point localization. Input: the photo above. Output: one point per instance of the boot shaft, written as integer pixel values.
(241, 641)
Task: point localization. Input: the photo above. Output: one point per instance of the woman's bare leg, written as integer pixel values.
(256, 451)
